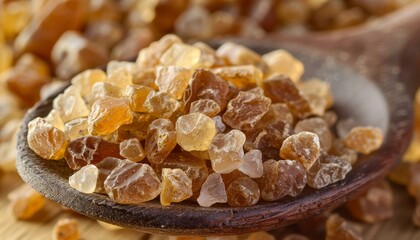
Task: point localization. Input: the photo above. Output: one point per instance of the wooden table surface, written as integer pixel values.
(40, 228)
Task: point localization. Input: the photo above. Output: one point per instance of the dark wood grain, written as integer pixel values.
(377, 103)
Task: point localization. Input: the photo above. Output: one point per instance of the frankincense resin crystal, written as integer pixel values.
(190, 123)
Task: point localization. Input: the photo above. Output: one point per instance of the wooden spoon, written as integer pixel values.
(371, 99)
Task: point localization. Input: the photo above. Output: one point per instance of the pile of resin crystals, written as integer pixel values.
(187, 122)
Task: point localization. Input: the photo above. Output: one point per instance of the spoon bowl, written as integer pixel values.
(385, 104)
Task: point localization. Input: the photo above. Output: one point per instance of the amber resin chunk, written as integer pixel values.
(25, 202)
(212, 191)
(243, 192)
(287, 178)
(375, 205)
(84, 180)
(132, 183)
(173, 80)
(70, 105)
(236, 54)
(105, 168)
(320, 127)
(303, 147)
(176, 186)
(201, 81)
(282, 62)
(243, 77)
(195, 131)
(136, 95)
(319, 95)
(226, 151)
(339, 149)
(244, 111)
(90, 150)
(195, 168)
(339, 228)
(107, 115)
(136, 129)
(364, 139)
(252, 164)
(66, 229)
(205, 106)
(131, 149)
(280, 89)
(160, 105)
(327, 170)
(160, 140)
(46, 140)
(76, 128)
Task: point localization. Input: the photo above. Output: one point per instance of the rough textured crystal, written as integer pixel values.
(176, 186)
(287, 178)
(236, 54)
(105, 168)
(101, 90)
(131, 149)
(25, 202)
(84, 180)
(281, 62)
(161, 105)
(319, 95)
(84, 81)
(207, 107)
(46, 140)
(181, 55)
(70, 105)
(226, 151)
(120, 77)
(160, 140)
(107, 115)
(206, 85)
(252, 164)
(195, 132)
(136, 95)
(173, 80)
(90, 150)
(243, 77)
(244, 111)
(76, 128)
(303, 147)
(339, 149)
(66, 229)
(364, 139)
(220, 126)
(243, 192)
(375, 205)
(212, 191)
(132, 183)
(318, 126)
(339, 228)
(136, 129)
(327, 170)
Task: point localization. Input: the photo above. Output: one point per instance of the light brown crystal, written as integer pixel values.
(243, 191)
(176, 186)
(195, 131)
(364, 139)
(326, 170)
(136, 95)
(85, 80)
(212, 191)
(282, 62)
(25, 202)
(243, 77)
(207, 107)
(66, 229)
(252, 164)
(160, 140)
(161, 105)
(303, 147)
(107, 115)
(76, 128)
(173, 80)
(318, 126)
(339, 228)
(131, 149)
(181, 55)
(70, 105)
(84, 180)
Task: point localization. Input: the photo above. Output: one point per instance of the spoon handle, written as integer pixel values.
(373, 49)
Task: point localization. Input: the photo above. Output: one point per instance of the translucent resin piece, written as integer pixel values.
(236, 54)
(66, 229)
(136, 129)
(375, 205)
(226, 151)
(318, 126)
(212, 191)
(220, 126)
(90, 150)
(286, 178)
(25, 202)
(131, 149)
(194, 167)
(281, 62)
(101, 90)
(176, 186)
(46, 140)
(160, 140)
(84, 180)
(70, 105)
(84, 81)
(107, 115)
(195, 131)
(243, 77)
(161, 105)
(120, 78)
(252, 164)
(364, 139)
(319, 95)
(201, 82)
(280, 89)
(244, 111)
(173, 80)
(339, 228)
(132, 183)
(105, 168)
(327, 170)
(243, 192)
(303, 147)
(136, 95)
(181, 55)
(76, 128)
(207, 107)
